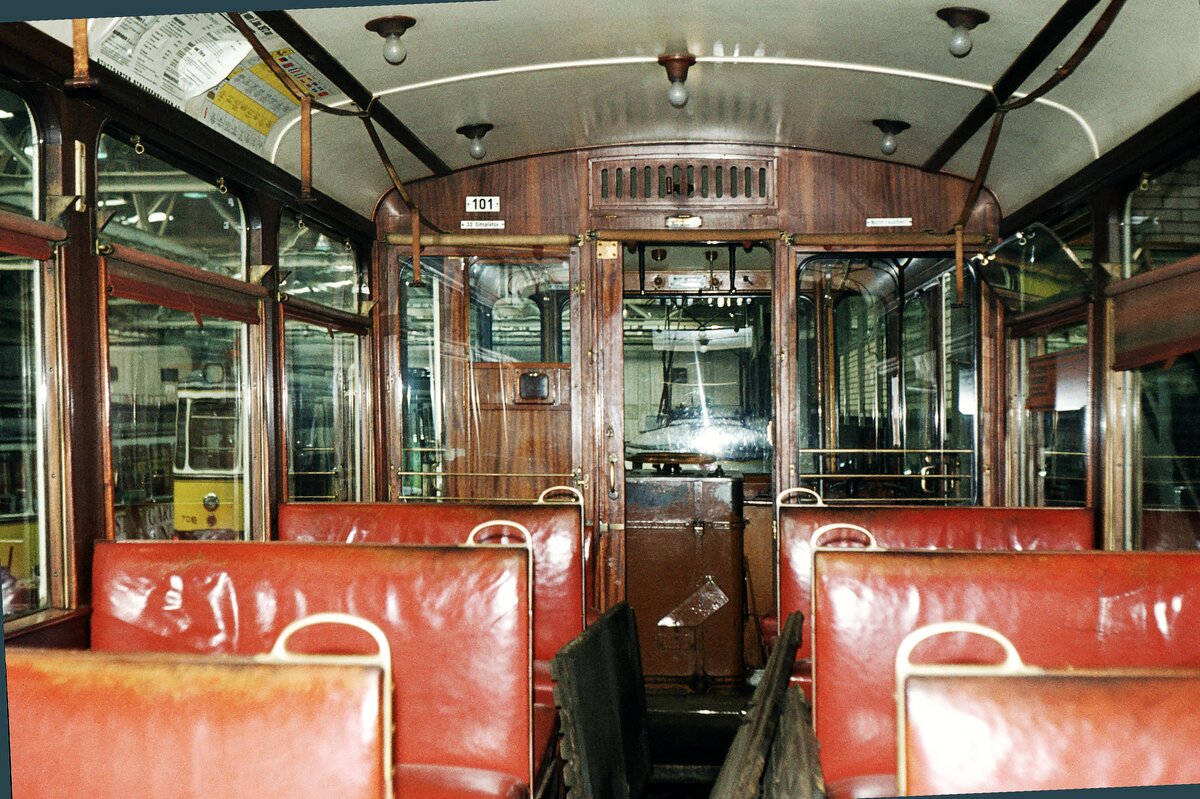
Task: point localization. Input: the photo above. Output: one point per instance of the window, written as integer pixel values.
(145, 203)
(23, 523)
(1162, 218)
(178, 447)
(318, 266)
(325, 441)
(18, 157)
(516, 311)
(886, 379)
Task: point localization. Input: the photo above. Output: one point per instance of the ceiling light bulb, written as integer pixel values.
(476, 149)
(960, 42)
(677, 95)
(394, 51)
(888, 145)
(890, 128)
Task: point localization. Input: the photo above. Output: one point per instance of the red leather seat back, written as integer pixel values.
(1059, 609)
(1030, 733)
(458, 620)
(557, 529)
(113, 726)
(920, 528)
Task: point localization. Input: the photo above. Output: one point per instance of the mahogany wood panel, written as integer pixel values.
(815, 193)
(1142, 333)
(537, 195)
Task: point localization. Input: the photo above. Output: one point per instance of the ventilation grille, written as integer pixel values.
(675, 182)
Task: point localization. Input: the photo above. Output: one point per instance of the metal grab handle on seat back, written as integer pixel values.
(574, 492)
(825, 528)
(472, 542)
(779, 500)
(905, 668)
(382, 659)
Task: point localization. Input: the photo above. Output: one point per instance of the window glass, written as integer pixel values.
(148, 204)
(18, 156)
(1033, 269)
(178, 426)
(324, 414)
(318, 266)
(1052, 404)
(516, 311)
(1162, 223)
(698, 379)
(898, 350)
(23, 535)
(1170, 454)
(421, 313)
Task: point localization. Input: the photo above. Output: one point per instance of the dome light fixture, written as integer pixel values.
(677, 70)
(890, 129)
(392, 30)
(963, 21)
(475, 133)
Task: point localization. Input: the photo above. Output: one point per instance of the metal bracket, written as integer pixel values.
(57, 206)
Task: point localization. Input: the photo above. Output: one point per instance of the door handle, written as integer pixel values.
(612, 477)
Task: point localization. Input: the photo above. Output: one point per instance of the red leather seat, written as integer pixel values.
(112, 726)
(1059, 609)
(919, 528)
(558, 551)
(450, 615)
(976, 734)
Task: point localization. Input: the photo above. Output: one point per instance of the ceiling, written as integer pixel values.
(551, 75)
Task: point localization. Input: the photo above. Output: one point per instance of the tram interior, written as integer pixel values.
(264, 286)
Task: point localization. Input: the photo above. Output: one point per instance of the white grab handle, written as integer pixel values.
(471, 542)
(1012, 662)
(823, 529)
(575, 492)
(784, 494)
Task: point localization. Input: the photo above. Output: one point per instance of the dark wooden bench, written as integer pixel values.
(1078, 609)
(970, 728)
(556, 527)
(606, 745)
(1018, 529)
(112, 726)
(457, 621)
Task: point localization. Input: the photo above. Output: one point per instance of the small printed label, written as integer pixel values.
(483, 205)
(481, 224)
(889, 221)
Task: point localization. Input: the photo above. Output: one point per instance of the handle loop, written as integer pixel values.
(473, 542)
(872, 544)
(574, 492)
(818, 503)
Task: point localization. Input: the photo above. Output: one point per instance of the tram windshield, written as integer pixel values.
(698, 364)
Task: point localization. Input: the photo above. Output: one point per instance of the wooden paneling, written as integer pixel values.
(826, 193)
(537, 195)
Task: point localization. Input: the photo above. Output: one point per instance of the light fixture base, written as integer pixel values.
(475, 130)
(386, 26)
(892, 126)
(963, 17)
(677, 65)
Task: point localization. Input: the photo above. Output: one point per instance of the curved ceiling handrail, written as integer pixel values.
(813, 63)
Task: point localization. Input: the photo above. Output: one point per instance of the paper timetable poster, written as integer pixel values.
(202, 65)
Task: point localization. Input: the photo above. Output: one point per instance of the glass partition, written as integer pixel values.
(485, 373)
(1170, 454)
(1051, 414)
(886, 404)
(325, 440)
(1032, 269)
